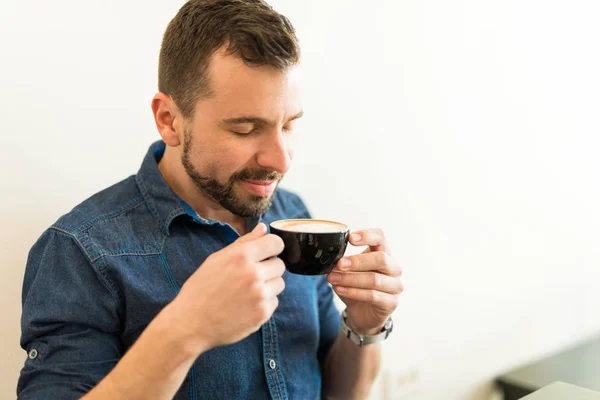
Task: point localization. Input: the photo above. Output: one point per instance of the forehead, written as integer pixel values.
(262, 91)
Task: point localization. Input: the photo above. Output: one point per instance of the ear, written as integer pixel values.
(168, 119)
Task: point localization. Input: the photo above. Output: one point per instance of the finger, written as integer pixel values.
(274, 287)
(273, 304)
(374, 238)
(264, 247)
(373, 261)
(382, 300)
(268, 308)
(271, 268)
(366, 280)
(259, 231)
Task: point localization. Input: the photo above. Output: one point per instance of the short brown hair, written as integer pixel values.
(250, 29)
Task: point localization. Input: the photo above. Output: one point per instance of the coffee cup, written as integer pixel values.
(312, 246)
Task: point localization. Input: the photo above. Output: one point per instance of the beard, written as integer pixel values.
(224, 194)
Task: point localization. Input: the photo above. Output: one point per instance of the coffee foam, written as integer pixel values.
(310, 226)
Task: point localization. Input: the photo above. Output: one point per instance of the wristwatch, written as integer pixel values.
(362, 340)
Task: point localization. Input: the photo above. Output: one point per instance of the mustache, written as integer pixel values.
(257, 175)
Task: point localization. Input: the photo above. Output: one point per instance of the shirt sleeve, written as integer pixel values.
(70, 322)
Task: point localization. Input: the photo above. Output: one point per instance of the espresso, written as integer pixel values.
(310, 226)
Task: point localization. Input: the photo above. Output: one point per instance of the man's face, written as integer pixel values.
(237, 147)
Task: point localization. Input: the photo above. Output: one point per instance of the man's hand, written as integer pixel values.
(233, 292)
(369, 283)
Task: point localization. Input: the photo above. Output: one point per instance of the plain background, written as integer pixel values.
(468, 130)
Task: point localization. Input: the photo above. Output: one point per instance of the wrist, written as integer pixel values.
(174, 323)
(364, 331)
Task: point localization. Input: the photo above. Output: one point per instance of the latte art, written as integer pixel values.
(311, 246)
(310, 226)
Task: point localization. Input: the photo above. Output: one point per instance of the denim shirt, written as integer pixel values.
(97, 277)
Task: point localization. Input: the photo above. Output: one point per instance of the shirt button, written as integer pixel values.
(33, 353)
(272, 364)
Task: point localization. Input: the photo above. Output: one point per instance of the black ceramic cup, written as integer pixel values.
(312, 246)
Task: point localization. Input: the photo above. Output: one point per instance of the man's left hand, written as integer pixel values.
(368, 283)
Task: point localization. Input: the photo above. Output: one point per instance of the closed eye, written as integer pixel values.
(289, 126)
(246, 133)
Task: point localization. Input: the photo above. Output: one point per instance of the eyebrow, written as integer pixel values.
(256, 120)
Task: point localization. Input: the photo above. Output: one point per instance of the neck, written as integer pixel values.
(176, 177)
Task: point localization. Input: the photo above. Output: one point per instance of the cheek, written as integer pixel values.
(228, 158)
(290, 143)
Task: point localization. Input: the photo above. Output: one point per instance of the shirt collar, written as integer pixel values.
(162, 201)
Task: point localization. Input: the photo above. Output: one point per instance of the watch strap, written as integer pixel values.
(362, 340)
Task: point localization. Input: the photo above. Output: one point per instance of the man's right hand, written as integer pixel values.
(229, 297)
(232, 293)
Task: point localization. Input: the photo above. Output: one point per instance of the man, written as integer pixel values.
(167, 284)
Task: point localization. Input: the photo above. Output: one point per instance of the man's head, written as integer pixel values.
(228, 97)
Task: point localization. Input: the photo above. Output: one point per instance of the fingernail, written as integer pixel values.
(341, 289)
(355, 237)
(344, 263)
(335, 277)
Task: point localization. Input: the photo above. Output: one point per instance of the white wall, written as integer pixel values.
(467, 130)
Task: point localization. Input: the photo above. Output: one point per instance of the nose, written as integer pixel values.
(276, 153)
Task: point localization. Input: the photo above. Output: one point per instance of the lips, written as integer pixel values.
(259, 188)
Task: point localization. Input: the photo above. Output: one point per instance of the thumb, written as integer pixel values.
(259, 231)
